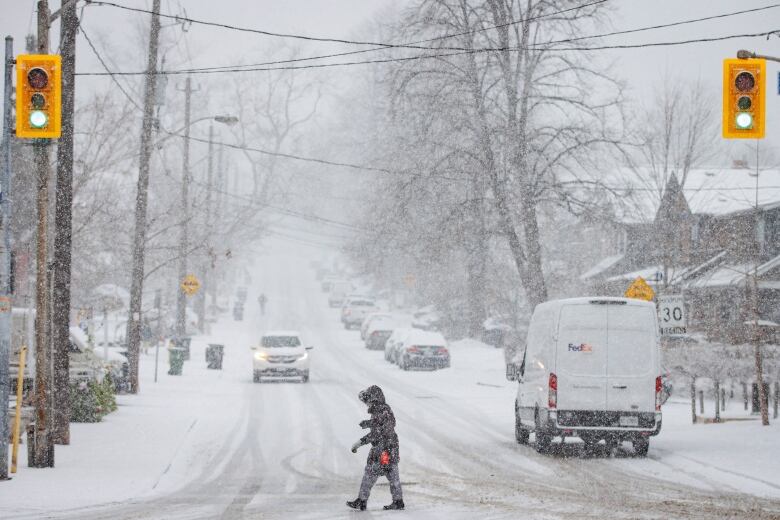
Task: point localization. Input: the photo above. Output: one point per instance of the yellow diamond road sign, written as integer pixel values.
(190, 284)
(640, 290)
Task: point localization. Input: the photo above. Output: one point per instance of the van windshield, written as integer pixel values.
(280, 341)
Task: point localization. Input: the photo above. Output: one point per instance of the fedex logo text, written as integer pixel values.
(582, 347)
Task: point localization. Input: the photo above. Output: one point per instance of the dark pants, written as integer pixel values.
(373, 472)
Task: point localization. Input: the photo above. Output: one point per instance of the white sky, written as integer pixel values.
(118, 32)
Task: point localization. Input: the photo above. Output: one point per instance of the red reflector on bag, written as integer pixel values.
(384, 458)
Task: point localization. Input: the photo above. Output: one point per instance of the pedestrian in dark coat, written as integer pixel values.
(383, 457)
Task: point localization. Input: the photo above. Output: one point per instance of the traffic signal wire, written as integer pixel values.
(567, 40)
(411, 45)
(439, 55)
(327, 162)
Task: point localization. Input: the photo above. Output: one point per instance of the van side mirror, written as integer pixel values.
(253, 347)
(513, 372)
(309, 348)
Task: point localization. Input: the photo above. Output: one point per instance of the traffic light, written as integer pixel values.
(744, 94)
(38, 96)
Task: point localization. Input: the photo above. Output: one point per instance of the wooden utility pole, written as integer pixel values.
(141, 203)
(44, 449)
(60, 320)
(181, 296)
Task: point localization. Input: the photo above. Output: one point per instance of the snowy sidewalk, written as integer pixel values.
(156, 442)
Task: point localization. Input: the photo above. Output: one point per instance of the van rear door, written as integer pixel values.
(581, 357)
(632, 358)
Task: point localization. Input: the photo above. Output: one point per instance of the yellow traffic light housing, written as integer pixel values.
(744, 98)
(38, 96)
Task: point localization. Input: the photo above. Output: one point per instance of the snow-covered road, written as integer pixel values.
(287, 455)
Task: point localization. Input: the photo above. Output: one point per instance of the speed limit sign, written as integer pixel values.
(671, 314)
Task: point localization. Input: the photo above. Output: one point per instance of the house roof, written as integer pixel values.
(600, 267)
(636, 196)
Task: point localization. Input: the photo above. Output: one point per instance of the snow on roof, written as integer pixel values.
(733, 274)
(708, 191)
(281, 333)
(653, 275)
(600, 267)
(426, 337)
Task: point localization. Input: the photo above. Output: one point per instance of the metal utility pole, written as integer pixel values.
(5, 262)
(763, 403)
(44, 449)
(141, 203)
(181, 297)
(60, 320)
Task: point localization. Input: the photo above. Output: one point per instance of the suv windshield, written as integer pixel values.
(280, 341)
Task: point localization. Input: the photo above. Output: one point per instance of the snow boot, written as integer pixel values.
(397, 504)
(357, 504)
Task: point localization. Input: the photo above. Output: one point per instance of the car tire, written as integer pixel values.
(521, 434)
(641, 446)
(403, 365)
(305, 377)
(256, 377)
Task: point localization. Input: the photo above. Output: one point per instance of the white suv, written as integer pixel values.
(281, 354)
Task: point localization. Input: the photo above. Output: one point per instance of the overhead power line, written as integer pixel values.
(411, 45)
(414, 43)
(440, 55)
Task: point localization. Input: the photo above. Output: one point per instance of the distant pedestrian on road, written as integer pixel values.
(261, 300)
(384, 455)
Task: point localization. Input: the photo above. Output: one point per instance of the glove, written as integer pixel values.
(356, 446)
(365, 424)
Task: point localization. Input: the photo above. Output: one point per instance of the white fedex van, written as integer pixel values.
(591, 368)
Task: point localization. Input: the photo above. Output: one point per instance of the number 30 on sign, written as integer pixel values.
(671, 314)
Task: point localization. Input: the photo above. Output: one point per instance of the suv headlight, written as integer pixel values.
(261, 356)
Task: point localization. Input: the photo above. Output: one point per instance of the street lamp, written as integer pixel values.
(181, 297)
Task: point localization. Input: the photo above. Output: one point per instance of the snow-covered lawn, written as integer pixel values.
(156, 441)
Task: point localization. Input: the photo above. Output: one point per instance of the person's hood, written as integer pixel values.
(372, 395)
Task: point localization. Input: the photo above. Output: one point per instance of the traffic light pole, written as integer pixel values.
(5, 262)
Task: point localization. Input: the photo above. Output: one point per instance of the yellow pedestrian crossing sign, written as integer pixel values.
(640, 290)
(190, 285)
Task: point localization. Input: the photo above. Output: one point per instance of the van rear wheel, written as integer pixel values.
(521, 434)
(543, 441)
(641, 446)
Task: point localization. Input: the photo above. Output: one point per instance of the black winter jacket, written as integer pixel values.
(382, 436)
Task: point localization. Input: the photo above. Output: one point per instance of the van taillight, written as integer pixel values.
(658, 387)
(413, 349)
(552, 396)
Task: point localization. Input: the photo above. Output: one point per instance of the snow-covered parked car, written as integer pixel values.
(379, 332)
(394, 343)
(591, 368)
(495, 330)
(281, 354)
(423, 349)
(369, 318)
(427, 318)
(338, 292)
(355, 310)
